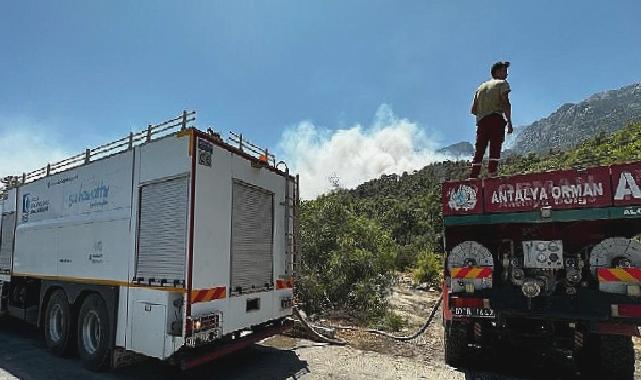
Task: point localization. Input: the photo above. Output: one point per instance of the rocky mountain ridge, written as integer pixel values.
(573, 123)
(458, 150)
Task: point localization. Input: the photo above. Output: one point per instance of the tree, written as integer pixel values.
(347, 260)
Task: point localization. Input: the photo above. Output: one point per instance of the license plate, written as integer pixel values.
(473, 312)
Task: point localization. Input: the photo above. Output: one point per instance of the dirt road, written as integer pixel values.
(23, 356)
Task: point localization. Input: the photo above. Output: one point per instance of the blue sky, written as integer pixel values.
(78, 73)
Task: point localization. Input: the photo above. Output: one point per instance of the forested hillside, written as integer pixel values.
(353, 240)
(621, 146)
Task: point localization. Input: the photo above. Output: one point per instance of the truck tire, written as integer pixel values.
(94, 334)
(58, 326)
(456, 343)
(608, 357)
(617, 357)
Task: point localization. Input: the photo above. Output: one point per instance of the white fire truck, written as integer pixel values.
(170, 243)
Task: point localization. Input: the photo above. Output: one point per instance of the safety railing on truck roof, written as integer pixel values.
(134, 139)
(152, 132)
(238, 141)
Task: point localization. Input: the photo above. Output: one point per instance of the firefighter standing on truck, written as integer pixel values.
(491, 104)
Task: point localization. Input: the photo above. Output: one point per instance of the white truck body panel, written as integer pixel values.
(212, 239)
(82, 217)
(84, 225)
(149, 325)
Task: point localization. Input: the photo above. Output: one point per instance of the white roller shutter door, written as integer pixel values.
(251, 238)
(162, 235)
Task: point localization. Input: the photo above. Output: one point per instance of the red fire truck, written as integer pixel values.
(550, 260)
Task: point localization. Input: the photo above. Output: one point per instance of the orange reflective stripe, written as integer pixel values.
(210, 294)
(284, 284)
(486, 272)
(625, 276)
(636, 272)
(619, 275)
(471, 273)
(205, 295)
(604, 275)
(221, 292)
(460, 272)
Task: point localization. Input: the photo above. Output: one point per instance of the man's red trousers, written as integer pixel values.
(490, 130)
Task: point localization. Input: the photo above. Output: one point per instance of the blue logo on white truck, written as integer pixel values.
(96, 196)
(32, 204)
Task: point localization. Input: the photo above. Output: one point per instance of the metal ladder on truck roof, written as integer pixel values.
(291, 225)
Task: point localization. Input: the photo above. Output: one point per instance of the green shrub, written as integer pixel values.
(429, 268)
(346, 260)
(392, 322)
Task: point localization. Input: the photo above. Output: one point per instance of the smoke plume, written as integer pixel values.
(348, 157)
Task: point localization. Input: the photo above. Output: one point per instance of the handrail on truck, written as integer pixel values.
(134, 139)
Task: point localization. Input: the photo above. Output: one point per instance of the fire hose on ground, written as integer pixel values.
(313, 330)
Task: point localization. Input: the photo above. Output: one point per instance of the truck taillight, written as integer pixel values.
(475, 303)
(626, 310)
(203, 323)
